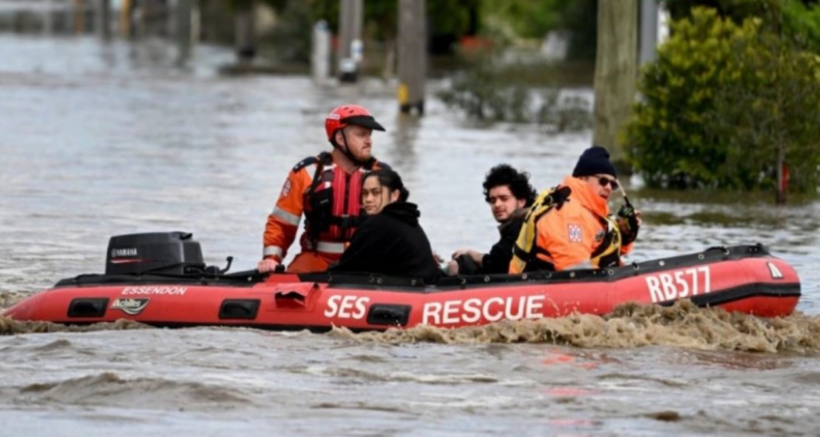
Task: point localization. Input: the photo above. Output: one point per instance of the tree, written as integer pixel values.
(768, 118)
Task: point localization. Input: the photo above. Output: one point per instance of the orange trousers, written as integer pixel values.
(311, 262)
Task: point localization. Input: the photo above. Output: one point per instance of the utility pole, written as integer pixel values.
(245, 34)
(184, 12)
(125, 17)
(350, 39)
(649, 31)
(48, 18)
(104, 19)
(412, 54)
(78, 17)
(616, 71)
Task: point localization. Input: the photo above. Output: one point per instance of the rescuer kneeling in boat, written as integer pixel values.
(327, 189)
(509, 194)
(569, 227)
(390, 242)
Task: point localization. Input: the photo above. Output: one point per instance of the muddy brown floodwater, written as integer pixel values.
(99, 140)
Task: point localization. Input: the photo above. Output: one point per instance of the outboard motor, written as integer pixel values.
(161, 252)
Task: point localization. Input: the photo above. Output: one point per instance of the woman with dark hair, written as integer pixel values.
(390, 242)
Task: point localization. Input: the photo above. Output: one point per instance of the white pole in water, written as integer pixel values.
(320, 57)
(648, 31)
(663, 23)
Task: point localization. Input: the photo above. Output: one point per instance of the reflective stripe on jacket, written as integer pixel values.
(578, 234)
(345, 198)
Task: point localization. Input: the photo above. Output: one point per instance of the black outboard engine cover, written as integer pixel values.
(161, 252)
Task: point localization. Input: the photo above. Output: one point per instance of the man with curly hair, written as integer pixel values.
(509, 194)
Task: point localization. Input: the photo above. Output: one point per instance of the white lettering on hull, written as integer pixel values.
(470, 311)
(679, 284)
(154, 290)
(346, 307)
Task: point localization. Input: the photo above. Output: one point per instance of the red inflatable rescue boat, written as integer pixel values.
(159, 279)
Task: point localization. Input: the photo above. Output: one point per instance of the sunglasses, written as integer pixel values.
(604, 181)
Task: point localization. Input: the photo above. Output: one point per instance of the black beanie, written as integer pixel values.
(594, 160)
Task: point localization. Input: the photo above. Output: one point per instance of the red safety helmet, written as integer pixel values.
(346, 115)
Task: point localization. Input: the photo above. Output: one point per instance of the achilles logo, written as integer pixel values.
(131, 251)
(775, 272)
(130, 306)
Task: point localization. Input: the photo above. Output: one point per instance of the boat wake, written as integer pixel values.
(630, 325)
(10, 326)
(9, 298)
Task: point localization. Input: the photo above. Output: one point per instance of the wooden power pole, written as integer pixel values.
(184, 13)
(126, 9)
(103, 18)
(48, 18)
(246, 33)
(616, 72)
(78, 17)
(412, 54)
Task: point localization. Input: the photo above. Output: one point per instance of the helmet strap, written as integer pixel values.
(346, 150)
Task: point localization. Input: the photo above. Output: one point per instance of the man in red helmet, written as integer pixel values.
(327, 190)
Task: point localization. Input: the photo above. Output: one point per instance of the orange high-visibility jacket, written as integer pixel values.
(568, 237)
(342, 208)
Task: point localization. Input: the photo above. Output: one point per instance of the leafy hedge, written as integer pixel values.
(723, 104)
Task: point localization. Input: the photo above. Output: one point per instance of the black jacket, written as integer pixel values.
(498, 260)
(391, 243)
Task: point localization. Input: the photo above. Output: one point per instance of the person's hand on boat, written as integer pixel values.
(438, 258)
(477, 256)
(451, 269)
(267, 265)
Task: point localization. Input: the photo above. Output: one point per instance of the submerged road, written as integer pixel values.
(99, 140)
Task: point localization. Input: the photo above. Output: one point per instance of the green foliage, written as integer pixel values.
(803, 22)
(567, 114)
(450, 19)
(737, 10)
(581, 17)
(527, 18)
(533, 19)
(770, 115)
(719, 105)
(484, 93)
(798, 20)
(292, 36)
